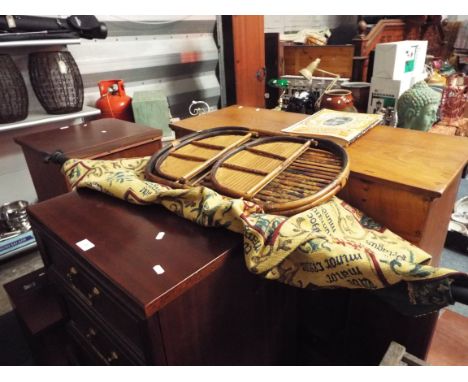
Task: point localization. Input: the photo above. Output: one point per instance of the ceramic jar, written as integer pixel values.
(338, 99)
(360, 92)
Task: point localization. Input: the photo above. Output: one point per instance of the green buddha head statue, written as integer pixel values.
(417, 107)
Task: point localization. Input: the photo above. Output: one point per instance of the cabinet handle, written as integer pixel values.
(112, 357)
(93, 294)
(71, 272)
(261, 74)
(91, 333)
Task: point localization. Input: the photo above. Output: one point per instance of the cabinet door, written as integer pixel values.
(249, 59)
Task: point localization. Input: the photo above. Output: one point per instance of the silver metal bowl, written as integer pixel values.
(13, 216)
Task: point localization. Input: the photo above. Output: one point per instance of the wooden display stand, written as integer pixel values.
(101, 139)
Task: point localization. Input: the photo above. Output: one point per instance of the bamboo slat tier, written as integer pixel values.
(285, 175)
(186, 161)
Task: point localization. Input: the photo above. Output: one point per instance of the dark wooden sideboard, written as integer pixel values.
(106, 138)
(204, 309)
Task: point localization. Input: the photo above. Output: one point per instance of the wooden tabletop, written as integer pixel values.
(410, 159)
(126, 249)
(91, 138)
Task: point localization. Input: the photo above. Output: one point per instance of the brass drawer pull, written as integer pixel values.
(91, 333)
(71, 272)
(93, 294)
(112, 357)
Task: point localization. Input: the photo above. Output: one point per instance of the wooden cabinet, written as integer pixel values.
(405, 179)
(101, 139)
(337, 59)
(204, 309)
(408, 181)
(249, 59)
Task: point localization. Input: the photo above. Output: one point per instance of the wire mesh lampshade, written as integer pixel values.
(13, 93)
(57, 82)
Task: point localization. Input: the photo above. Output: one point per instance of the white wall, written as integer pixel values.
(457, 17)
(285, 24)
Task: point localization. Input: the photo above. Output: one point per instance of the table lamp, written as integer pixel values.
(308, 73)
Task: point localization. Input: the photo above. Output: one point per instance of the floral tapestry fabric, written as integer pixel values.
(332, 245)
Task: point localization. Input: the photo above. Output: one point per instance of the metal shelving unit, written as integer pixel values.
(37, 118)
(26, 43)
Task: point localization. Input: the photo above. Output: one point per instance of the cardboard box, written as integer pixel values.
(399, 60)
(385, 92)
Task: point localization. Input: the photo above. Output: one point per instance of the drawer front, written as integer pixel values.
(139, 150)
(96, 297)
(98, 339)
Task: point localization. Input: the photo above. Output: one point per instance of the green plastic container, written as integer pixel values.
(150, 108)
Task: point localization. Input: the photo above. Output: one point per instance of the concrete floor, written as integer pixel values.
(458, 261)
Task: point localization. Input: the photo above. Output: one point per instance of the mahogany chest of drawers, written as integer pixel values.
(105, 138)
(186, 299)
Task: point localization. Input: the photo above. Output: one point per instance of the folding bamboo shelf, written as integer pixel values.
(285, 175)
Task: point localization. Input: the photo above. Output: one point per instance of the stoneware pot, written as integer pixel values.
(13, 216)
(338, 99)
(360, 92)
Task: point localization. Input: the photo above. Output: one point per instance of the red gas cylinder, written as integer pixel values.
(114, 103)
